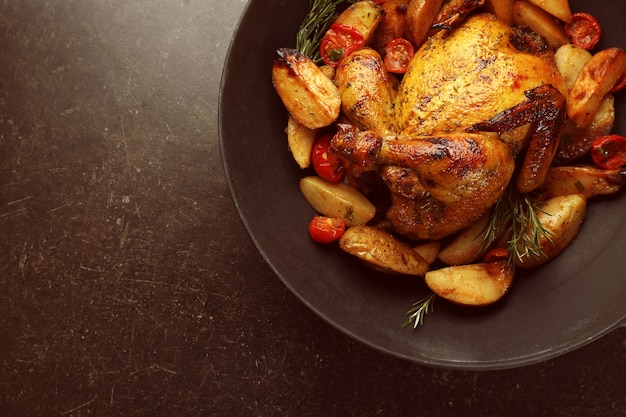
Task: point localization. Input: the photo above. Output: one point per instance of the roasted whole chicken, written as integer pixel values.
(451, 139)
(475, 102)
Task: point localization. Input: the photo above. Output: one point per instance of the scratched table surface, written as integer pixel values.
(128, 285)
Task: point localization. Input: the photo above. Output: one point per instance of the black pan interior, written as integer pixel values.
(559, 307)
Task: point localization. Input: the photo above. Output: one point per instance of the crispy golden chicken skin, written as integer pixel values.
(445, 146)
(439, 184)
(468, 76)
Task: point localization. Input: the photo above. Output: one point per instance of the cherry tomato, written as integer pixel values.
(496, 254)
(609, 152)
(398, 54)
(338, 42)
(583, 30)
(326, 164)
(326, 229)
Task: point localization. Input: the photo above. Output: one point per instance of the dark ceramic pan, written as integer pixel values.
(564, 305)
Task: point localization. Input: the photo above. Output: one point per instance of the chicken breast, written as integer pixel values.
(467, 76)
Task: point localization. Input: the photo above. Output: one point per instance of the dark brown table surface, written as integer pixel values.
(128, 285)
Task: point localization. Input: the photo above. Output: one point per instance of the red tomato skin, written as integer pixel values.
(326, 230)
(583, 30)
(342, 40)
(609, 152)
(326, 164)
(398, 54)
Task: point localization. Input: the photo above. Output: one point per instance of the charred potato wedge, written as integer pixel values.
(588, 181)
(541, 22)
(594, 82)
(337, 199)
(367, 91)
(562, 217)
(473, 284)
(382, 250)
(307, 93)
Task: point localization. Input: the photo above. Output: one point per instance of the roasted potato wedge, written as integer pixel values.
(588, 181)
(503, 9)
(382, 250)
(543, 23)
(367, 91)
(562, 217)
(576, 141)
(570, 60)
(364, 16)
(557, 8)
(392, 25)
(473, 284)
(419, 18)
(429, 250)
(337, 199)
(466, 246)
(307, 93)
(300, 140)
(594, 82)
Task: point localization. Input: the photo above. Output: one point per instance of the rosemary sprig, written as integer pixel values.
(420, 309)
(317, 21)
(515, 215)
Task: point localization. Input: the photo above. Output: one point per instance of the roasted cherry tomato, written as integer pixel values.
(338, 42)
(583, 30)
(609, 152)
(398, 54)
(326, 164)
(326, 229)
(496, 254)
